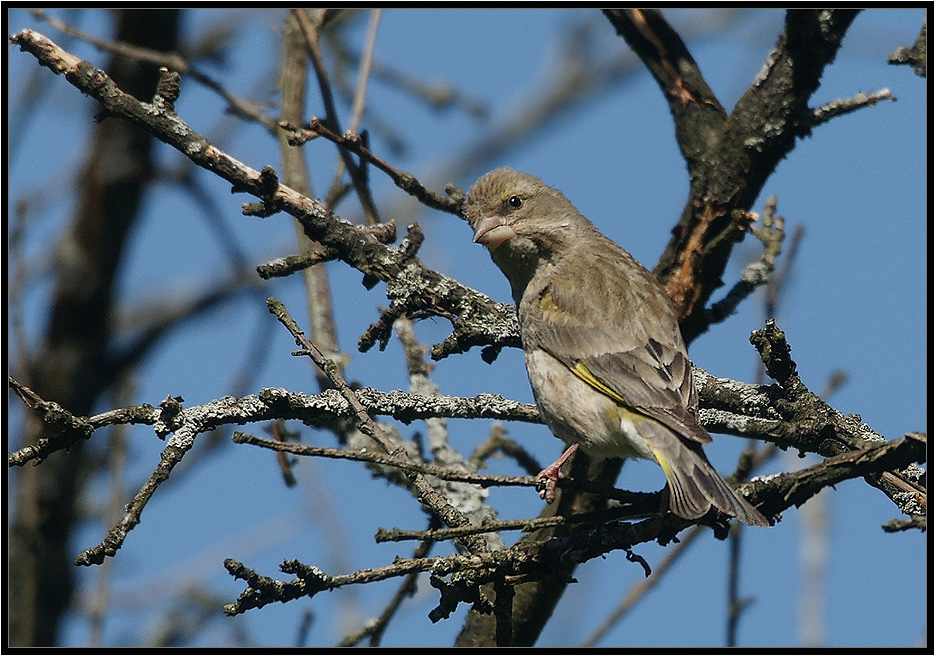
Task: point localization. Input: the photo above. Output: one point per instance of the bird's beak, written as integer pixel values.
(491, 232)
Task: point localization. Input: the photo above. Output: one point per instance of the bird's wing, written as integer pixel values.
(639, 361)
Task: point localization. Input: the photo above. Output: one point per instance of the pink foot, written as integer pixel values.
(548, 481)
(548, 477)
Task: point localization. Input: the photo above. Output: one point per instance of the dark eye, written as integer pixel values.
(515, 202)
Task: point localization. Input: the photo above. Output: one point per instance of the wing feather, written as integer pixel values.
(639, 362)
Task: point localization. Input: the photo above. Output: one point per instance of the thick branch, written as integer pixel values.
(695, 109)
(729, 157)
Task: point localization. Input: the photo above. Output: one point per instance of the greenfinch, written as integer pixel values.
(603, 350)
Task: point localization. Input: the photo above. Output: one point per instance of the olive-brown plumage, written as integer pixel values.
(603, 349)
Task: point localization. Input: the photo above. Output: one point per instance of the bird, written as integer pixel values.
(606, 360)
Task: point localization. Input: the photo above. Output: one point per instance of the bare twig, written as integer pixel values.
(484, 480)
(357, 173)
(843, 106)
(352, 142)
(293, 82)
(170, 60)
(639, 589)
(436, 95)
(429, 496)
(499, 442)
(366, 59)
(645, 504)
(771, 234)
(357, 105)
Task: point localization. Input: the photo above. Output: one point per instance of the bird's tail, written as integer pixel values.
(694, 485)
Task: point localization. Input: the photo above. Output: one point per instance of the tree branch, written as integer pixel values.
(413, 289)
(915, 56)
(729, 157)
(521, 564)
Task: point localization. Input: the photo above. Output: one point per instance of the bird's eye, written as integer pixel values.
(515, 202)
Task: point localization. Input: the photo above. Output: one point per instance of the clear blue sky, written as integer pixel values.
(856, 301)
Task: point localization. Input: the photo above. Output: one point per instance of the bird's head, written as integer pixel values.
(521, 220)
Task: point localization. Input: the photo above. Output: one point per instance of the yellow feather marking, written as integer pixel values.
(548, 307)
(621, 412)
(662, 462)
(581, 371)
(551, 311)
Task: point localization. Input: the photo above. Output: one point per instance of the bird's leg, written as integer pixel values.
(548, 477)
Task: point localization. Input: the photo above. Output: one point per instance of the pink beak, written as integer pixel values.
(491, 232)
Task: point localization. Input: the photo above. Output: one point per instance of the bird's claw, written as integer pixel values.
(548, 483)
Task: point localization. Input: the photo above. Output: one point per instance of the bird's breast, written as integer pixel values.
(576, 412)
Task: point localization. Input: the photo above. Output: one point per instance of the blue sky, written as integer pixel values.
(856, 301)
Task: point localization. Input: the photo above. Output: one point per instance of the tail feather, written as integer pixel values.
(695, 486)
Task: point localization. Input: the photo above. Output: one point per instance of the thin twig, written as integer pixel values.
(357, 104)
(178, 446)
(843, 106)
(771, 234)
(366, 60)
(429, 496)
(639, 589)
(646, 504)
(499, 442)
(170, 60)
(358, 176)
(293, 81)
(484, 480)
(352, 142)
